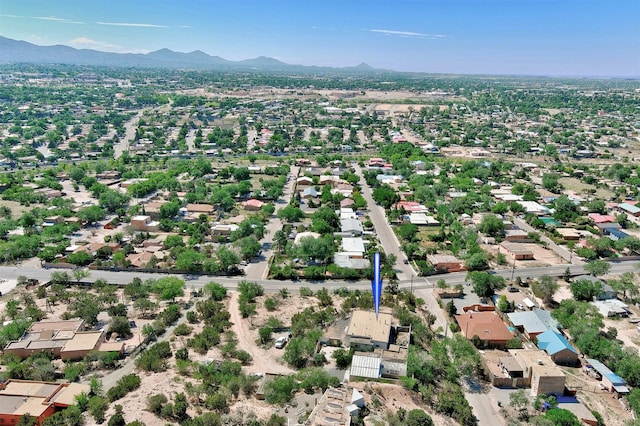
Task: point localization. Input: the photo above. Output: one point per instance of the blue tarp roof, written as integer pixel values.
(553, 342)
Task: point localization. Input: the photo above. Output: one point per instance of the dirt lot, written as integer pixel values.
(582, 188)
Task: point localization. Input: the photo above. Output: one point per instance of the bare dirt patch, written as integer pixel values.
(579, 187)
(264, 360)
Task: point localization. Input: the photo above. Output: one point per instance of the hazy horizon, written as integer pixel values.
(506, 37)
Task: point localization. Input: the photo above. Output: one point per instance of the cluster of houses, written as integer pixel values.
(532, 367)
(381, 345)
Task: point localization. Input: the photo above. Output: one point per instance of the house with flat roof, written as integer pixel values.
(335, 407)
(366, 332)
(200, 208)
(420, 219)
(38, 399)
(64, 339)
(81, 344)
(534, 207)
(569, 234)
(446, 262)
(611, 308)
(540, 372)
(558, 347)
(144, 223)
(354, 246)
(516, 235)
(517, 251)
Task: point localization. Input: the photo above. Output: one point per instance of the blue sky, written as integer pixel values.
(532, 37)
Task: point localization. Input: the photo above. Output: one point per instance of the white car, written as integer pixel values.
(281, 342)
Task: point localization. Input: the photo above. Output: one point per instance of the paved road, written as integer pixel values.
(385, 234)
(129, 134)
(198, 281)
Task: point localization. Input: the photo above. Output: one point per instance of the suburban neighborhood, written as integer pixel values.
(197, 248)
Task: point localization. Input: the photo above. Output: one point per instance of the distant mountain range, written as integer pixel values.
(15, 51)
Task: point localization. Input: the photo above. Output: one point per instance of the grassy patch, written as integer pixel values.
(580, 187)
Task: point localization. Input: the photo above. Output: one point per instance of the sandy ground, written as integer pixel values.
(264, 360)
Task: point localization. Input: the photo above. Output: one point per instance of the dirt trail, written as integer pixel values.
(264, 360)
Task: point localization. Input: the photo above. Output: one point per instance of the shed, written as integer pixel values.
(611, 381)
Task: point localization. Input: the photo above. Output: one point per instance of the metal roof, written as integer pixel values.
(553, 342)
(366, 366)
(606, 372)
(536, 321)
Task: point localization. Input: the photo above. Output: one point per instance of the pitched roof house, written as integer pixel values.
(487, 326)
(558, 347)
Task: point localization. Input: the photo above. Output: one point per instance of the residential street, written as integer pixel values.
(383, 230)
(258, 270)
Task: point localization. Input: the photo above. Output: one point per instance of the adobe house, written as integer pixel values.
(36, 398)
(446, 262)
(365, 332)
(540, 371)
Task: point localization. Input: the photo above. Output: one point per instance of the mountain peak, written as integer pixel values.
(364, 66)
(13, 51)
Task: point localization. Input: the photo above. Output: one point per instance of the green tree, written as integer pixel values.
(249, 247)
(585, 289)
(291, 213)
(550, 182)
(562, 417)
(418, 417)
(91, 214)
(386, 196)
(485, 284)
(545, 287)
(118, 418)
(491, 225)
(98, 407)
(294, 353)
(216, 291)
(343, 358)
(168, 288)
(279, 390)
(477, 261)
(265, 334)
(519, 401)
(598, 268)
(120, 325)
(27, 420)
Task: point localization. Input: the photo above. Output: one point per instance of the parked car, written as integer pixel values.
(281, 342)
(513, 289)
